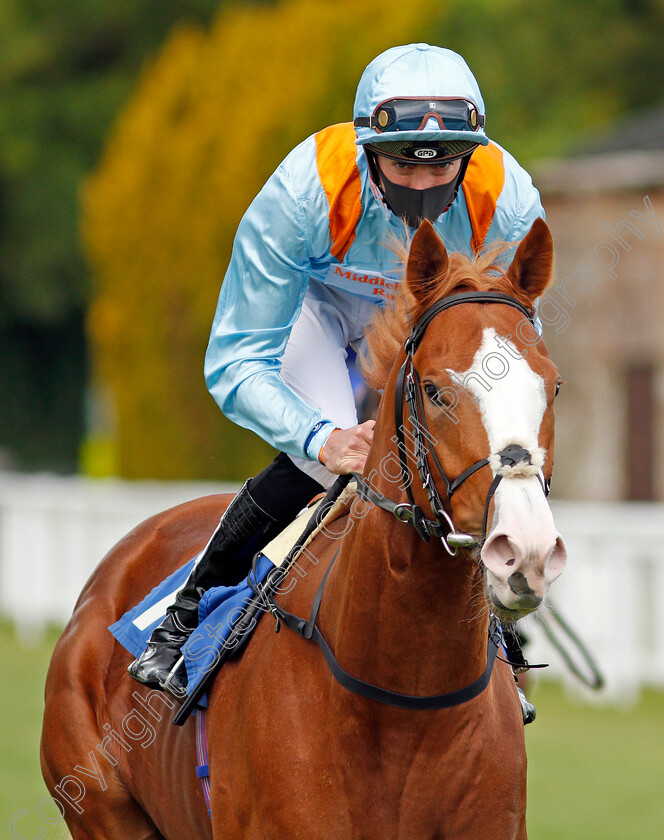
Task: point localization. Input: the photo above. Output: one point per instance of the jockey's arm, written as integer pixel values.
(260, 300)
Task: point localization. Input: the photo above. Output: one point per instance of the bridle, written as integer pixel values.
(408, 391)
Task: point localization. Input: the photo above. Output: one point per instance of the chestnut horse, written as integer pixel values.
(294, 755)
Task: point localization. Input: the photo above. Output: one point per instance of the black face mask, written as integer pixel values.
(416, 205)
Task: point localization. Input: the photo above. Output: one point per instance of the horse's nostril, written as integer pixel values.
(519, 584)
(511, 562)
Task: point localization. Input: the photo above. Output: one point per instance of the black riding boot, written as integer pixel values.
(252, 519)
(242, 531)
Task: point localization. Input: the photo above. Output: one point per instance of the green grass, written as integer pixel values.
(594, 773)
(23, 669)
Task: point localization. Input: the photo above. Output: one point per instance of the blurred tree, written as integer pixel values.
(554, 73)
(210, 120)
(66, 67)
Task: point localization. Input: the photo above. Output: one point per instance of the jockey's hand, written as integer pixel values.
(346, 450)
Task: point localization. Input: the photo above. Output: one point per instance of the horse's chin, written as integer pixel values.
(507, 607)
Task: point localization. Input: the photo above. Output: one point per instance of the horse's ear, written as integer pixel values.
(427, 262)
(532, 266)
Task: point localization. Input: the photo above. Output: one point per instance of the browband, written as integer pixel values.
(413, 340)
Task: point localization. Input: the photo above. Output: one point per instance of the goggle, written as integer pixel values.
(413, 114)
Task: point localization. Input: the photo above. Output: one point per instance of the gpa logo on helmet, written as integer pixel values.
(425, 153)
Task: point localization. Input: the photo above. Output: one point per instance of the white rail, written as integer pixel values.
(53, 532)
(612, 593)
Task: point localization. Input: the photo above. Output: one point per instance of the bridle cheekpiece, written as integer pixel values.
(512, 460)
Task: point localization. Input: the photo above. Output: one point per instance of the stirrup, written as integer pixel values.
(176, 680)
(528, 711)
(169, 677)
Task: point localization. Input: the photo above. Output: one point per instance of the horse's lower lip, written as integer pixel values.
(503, 612)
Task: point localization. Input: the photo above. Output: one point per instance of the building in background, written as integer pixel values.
(604, 318)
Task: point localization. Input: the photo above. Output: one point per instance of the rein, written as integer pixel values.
(408, 390)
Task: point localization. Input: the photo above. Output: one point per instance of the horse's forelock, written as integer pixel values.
(390, 326)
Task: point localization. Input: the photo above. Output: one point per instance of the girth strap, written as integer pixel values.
(202, 761)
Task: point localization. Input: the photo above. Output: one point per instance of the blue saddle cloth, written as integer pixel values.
(219, 610)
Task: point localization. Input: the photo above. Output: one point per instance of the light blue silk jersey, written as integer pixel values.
(282, 247)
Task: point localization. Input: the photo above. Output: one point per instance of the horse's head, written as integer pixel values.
(482, 388)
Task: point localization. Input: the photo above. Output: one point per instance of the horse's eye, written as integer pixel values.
(432, 392)
(558, 384)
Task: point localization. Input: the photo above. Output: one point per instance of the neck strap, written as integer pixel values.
(309, 630)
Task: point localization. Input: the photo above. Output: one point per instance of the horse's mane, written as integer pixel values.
(390, 326)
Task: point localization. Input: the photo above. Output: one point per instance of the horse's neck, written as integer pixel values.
(402, 613)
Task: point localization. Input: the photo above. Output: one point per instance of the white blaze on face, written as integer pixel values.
(523, 552)
(507, 391)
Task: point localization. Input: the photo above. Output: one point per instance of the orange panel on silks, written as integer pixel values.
(482, 186)
(340, 177)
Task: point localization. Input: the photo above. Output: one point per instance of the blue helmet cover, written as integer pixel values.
(417, 70)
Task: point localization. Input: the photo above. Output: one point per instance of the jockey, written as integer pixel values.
(309, 264)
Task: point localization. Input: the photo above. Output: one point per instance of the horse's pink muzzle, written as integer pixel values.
(523, 553)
